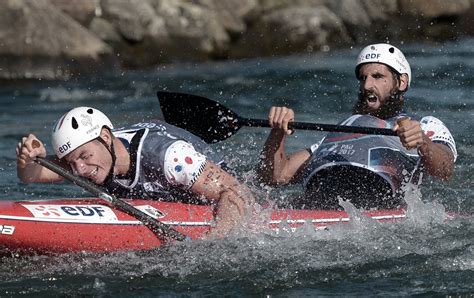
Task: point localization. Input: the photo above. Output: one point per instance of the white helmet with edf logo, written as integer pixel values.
(77, 127)
(386, 54)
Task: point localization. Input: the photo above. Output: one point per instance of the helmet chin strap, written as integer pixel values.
(110, 175)
(398, 93)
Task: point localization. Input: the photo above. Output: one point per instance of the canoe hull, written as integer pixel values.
(91, 225)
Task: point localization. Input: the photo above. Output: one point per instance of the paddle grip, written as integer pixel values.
(403, 121)
(35, 144)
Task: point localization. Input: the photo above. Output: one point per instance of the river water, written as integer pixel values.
(423, 255)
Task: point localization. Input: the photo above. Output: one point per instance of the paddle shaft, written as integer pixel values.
(214, 122)
(322, 127)
(158, 228)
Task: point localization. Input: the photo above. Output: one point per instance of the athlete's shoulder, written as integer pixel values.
(437, 131)
(432, 126)
(151, 124)
(126, 132)
(431, 120)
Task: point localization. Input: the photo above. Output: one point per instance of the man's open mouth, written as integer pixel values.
(371, 98)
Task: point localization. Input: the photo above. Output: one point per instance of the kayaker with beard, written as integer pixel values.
(368, 170)
(152, 160)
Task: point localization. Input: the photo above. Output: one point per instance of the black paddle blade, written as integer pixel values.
(201, 116)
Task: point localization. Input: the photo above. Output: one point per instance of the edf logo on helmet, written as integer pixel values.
(64, 147)
(372, 56)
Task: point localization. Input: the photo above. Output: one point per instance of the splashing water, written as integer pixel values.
(419, 212)
(428, 252)
(255, 260)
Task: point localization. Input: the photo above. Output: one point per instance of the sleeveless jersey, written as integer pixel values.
(165, 162)
(366, 169)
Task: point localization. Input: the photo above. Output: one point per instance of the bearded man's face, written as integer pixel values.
(379, 90)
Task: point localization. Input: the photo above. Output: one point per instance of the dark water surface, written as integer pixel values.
(423, 255)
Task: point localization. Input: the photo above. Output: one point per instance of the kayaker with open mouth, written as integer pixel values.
(152, 160)
(368, 170)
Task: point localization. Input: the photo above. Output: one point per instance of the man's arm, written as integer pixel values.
(276, 166)
(233, 198)
(27, 169)
(436, 158)
(186, 168)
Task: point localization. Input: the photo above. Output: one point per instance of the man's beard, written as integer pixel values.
(390, 107)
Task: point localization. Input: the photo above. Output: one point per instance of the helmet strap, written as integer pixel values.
(396, 95)
(111, 150)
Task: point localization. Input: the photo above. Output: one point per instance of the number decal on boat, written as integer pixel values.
(7, 230)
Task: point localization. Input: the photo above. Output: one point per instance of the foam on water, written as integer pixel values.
(427, 253)
(259, 260)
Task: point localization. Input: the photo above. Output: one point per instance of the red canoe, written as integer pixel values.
(59, 226)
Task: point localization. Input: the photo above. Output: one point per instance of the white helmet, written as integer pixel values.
(77, 127)
(385, 54)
